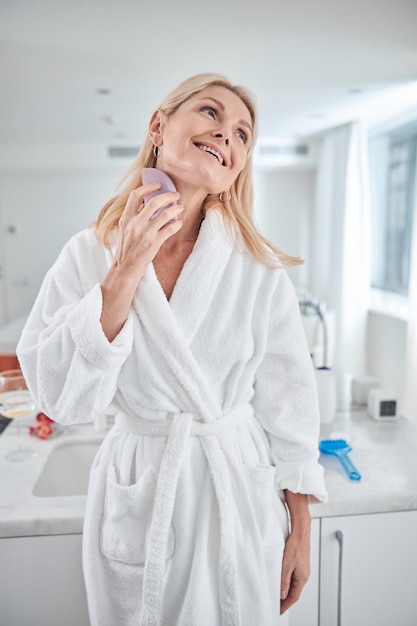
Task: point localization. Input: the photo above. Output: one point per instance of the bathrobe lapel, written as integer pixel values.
(173, 324)
(199, 279)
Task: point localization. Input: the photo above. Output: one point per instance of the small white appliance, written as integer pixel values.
(382, 405)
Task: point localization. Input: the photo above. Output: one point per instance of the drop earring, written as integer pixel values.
(225, 196)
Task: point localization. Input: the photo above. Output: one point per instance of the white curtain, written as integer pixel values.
(408, 405)
(340, 272)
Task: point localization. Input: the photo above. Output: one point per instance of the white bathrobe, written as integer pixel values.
(216, 414)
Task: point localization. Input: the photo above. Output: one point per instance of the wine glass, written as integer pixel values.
(16, 402)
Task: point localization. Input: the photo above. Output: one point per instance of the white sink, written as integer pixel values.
(67, 469)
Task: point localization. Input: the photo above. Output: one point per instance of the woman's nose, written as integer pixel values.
(223, 135)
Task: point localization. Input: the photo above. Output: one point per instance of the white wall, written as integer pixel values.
(40, 211)
(386, 350)
(283, 212)
(45, 197)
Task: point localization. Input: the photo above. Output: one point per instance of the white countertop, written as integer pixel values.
(21, 512)
(384, 453)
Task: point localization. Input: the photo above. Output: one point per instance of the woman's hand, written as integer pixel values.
(296, 561)
(140, 236)
(140, 239)
(295, 569)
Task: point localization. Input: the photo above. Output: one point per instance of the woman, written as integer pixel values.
(185, 326)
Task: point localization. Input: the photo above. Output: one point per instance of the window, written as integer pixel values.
(392, 169)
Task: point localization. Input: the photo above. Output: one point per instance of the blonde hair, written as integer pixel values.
(237, 208)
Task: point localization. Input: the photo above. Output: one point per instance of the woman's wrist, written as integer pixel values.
(117, 293)
(300, 516)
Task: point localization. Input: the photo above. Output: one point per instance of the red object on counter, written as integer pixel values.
(43, 428)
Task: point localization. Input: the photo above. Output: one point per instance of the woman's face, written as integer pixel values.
(206, 141)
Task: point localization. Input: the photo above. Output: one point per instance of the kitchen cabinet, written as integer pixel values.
(377, 559)
(42, 581)
(363, 572)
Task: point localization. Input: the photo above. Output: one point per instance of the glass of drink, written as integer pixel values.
(16, 402)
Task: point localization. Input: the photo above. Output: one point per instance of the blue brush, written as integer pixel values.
(340, 448)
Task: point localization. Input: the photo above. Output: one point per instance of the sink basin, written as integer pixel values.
(67, 469)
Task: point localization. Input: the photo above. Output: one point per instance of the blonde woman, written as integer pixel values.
(185, 326)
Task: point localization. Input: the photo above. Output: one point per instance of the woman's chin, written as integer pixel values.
(197, 178)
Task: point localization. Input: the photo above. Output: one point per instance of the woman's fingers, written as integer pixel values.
(168, 229)
(135, 201)
(141, 236)
(144, 228)
(140, 220)
(145, 222)
(295, 570)
(159, 203)
(136, 206)
(160, 211)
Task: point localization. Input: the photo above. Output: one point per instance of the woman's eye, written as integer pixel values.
(242, 136)
(209, 110)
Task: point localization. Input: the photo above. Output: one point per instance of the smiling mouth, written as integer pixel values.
(220, 158)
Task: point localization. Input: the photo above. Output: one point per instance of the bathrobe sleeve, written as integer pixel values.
(285, 399)
(70, 367)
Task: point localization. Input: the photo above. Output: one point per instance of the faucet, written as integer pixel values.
(319, 308)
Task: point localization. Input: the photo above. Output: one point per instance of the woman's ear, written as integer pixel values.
(156, 127)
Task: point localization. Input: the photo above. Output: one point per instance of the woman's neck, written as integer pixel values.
(192, 216)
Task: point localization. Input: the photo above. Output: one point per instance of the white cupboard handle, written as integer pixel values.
(339, 537)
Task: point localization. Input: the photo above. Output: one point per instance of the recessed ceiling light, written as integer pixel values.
(111, 119)
(103, 91)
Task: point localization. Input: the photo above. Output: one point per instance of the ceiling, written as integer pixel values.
(310, 63)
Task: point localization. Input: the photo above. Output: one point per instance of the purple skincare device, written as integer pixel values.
(153, 175)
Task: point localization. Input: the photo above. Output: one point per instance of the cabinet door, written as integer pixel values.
(42, 582)
(306, 611)
(368, 576)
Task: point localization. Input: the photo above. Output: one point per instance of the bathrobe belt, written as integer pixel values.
(178, 429)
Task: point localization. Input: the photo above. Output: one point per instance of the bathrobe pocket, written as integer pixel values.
(268, 509)
(127, 518)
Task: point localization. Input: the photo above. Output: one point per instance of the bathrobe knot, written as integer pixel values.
(161, 428)
(178, 428)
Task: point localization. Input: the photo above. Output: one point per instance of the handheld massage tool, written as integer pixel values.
(154, 175)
